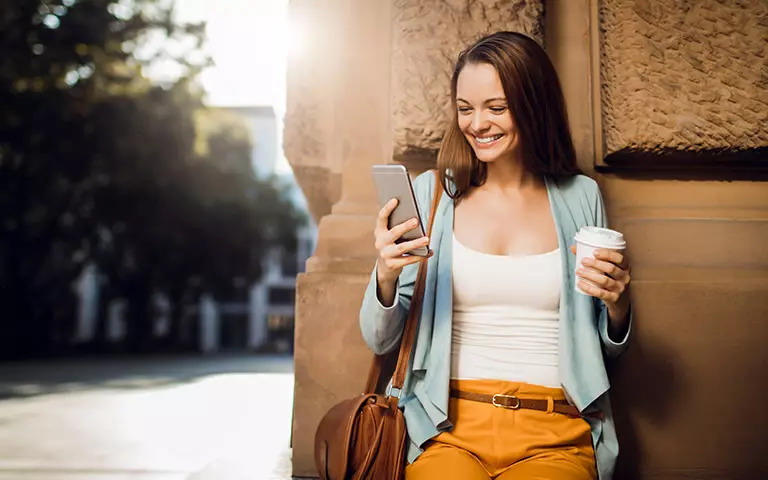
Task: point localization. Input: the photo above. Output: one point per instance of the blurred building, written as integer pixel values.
(253, 317)
(262, 124)
(266, 320)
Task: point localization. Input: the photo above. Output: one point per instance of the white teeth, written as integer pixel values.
(488, 139)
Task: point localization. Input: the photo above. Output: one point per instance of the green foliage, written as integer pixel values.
(98, 164)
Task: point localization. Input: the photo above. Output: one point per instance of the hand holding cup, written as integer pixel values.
(602, 268)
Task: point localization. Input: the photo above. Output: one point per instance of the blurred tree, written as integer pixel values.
(98, 164)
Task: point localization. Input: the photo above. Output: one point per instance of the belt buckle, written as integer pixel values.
(511, 407)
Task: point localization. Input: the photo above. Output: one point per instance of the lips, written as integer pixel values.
(488, 141)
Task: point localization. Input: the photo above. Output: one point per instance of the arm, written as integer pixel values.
(382, 326)
(614, 319)
(385, 305)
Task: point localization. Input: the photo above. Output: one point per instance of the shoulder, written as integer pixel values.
(582, 199)
(578, 183)
(579, 187)
(424, 185)
(424, 181)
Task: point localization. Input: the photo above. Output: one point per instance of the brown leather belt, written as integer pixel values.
(514, 403)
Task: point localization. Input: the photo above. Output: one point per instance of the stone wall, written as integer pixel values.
(684, 75)
(427, 36)
(689, 78)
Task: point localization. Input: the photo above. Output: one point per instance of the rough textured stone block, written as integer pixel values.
(682, 75)
(427, 37)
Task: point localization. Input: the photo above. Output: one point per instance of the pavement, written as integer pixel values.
(221, 417)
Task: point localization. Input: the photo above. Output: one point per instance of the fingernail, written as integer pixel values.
(413, 222)
(586, 261)
(426, 240)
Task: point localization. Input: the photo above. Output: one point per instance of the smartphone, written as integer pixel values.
(393, 181)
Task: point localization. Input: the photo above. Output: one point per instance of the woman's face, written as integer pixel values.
(483, 114)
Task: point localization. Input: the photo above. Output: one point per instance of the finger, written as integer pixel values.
(594, 291)
(400, 262)
(601, 280)
(399, 230)
(573, 249)
(612, 256)
(610, 269)
(382, 219)
(399, 249)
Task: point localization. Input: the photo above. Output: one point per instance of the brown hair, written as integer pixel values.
(535, 100)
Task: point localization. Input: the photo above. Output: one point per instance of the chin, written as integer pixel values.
(485, 158)
(488, 157)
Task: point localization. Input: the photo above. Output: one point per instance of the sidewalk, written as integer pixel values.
(189, 418)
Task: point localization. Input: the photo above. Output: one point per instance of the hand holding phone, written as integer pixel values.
(400, 237)
(394, 256)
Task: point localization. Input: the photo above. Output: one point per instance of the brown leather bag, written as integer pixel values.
(364, 438)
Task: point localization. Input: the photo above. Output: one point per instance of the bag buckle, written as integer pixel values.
(393, 392)
(512, 406)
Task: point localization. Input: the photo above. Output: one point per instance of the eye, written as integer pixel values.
(464, 110)
(498, 110)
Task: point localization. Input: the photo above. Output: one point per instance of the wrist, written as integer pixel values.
(618, 321)
(384, 278)
(617, 313)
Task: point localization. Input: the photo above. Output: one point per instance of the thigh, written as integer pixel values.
(554, 466)
(446, 462)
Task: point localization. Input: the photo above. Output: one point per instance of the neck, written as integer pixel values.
(510, 175)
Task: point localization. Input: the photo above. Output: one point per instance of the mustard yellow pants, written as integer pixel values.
(489, 442)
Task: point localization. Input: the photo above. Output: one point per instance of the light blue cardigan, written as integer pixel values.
(584, 340)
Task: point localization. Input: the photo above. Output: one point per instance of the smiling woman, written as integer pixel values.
(503, 346)
(505, 107)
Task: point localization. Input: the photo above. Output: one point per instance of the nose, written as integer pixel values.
(479, 120)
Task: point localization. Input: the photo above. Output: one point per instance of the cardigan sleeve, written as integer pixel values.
(382, 327)
(613, 347)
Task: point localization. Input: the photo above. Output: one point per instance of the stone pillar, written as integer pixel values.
(371, 88)
(331, 359)
(313, 73)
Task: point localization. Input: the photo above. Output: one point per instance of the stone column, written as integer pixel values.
(331, 359)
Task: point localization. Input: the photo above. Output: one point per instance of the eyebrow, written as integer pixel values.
(495, 99)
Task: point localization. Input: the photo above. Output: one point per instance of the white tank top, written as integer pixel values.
(505, 316)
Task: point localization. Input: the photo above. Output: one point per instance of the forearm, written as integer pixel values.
(618, 321)
(386, 289)
(381, 324)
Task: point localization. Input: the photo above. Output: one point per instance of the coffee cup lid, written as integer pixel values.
(601, 237)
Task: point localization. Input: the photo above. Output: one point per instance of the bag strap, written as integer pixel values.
(412, 321)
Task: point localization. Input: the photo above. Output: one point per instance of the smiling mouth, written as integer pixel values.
(487, 140)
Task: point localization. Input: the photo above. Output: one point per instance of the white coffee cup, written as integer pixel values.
(589, 239)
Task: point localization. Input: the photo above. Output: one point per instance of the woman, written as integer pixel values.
(507, 378)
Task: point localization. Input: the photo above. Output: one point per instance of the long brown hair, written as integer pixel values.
(535, 100)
